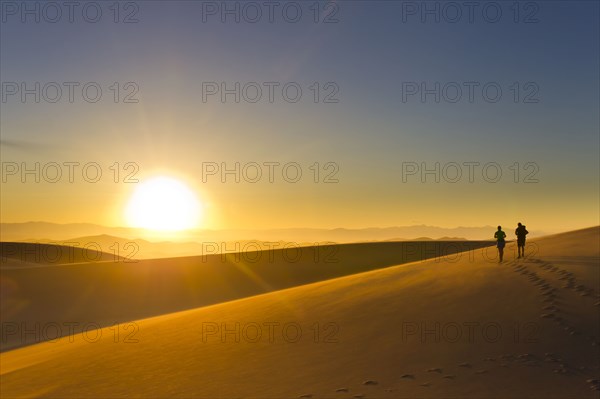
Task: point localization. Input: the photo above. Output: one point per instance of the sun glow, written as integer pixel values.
(164, 204)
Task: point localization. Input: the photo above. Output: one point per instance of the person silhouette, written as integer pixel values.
(521, 232)
(500, 236)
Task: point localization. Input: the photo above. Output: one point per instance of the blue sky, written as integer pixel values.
(368, 54)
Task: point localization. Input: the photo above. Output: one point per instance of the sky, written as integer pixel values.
(497, 103)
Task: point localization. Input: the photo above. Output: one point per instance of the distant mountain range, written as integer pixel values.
(36, 231)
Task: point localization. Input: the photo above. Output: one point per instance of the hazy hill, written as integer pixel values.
(53, 231)
(16, 254)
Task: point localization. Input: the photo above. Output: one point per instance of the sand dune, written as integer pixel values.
(469, 327)
(102, 294)
(138, 249)
(22, 254)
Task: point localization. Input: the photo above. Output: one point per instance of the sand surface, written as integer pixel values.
(84, 295)
(453, 327)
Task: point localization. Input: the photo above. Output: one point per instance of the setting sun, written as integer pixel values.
(163, 203)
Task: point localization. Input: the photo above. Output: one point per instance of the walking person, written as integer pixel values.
(500, 236)
(521, 232)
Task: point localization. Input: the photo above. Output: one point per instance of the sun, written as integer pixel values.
(163, 203)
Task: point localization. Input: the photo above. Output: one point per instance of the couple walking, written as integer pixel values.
(520, 232)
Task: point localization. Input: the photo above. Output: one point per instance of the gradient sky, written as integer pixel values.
(369, 133)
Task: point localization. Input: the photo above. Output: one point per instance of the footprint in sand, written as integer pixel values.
(547, 316)
(425, 384)
(551, 358)
(525, 356)
(467, 365)
(532, 363)
(407, 376)
(449, 377)
(359, 396)
(561, 370)
(342, 390)
(482, 371)
(594, 384)
(370, 382)
(306, 396)
(435, 370)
